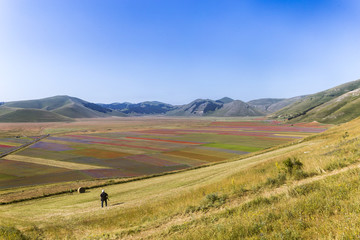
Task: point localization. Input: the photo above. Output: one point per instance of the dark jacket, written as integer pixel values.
(104, 196)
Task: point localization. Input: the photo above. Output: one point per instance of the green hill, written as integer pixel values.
(5, 110)
(271, 105)
(330, 106)
(73, 110)
(32, 115)
(341, 109)
(47, 104)
(60, 108)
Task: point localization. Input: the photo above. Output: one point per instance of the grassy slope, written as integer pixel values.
(5, 110)
(298, 110)
(163, 207)
(46, 103)
(73, 110)
(32, 115)
(341, 109)
(60, 105)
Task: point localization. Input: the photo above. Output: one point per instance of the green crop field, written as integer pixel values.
(234, 147)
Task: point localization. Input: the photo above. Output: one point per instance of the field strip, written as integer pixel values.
(53, 163)
(10, 144)
(102, 147)
(297, 135)
(165, 140)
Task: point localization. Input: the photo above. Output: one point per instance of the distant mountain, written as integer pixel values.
(199, 107)
(235, 109)
(116, 106)
(225, 100)
(335, 105)
(142, 108)
(58, 108)
(271, 105)
(207, 107)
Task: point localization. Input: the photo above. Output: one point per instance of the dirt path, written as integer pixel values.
(181, 219)
(17, 149)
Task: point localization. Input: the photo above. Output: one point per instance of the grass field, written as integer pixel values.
(123, 148)
(255, 196)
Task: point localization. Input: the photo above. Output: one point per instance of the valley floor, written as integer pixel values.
(258, 197)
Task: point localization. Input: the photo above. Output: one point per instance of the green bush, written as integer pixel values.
(292, 164)
(277, 181)
(11, 233)
(210, 201)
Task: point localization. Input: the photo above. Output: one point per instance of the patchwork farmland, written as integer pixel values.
(139, 151)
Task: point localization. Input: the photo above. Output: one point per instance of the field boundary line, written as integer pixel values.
(20, 148)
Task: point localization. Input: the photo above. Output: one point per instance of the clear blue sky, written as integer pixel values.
(176, 50)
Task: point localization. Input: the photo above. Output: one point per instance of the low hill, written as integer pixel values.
(54, 108)
(341, 109)
(271, 105)
(329, 106)
(5, 110)
(32, 115)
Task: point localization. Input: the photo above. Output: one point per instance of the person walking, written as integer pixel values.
(104, 197)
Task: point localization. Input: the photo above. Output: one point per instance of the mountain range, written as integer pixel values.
(335, 105)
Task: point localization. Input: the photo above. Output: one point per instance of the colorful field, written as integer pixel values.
(141, 149)
(10, 143)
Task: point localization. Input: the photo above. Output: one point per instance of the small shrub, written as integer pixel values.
(191, 209)
(240, 191)
(300, 174)
(210, 201)
(35, 232)
(277, 181)
(292, 164)
(213, 198)
(11, 233)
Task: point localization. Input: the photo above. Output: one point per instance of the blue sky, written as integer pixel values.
(175, 51)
